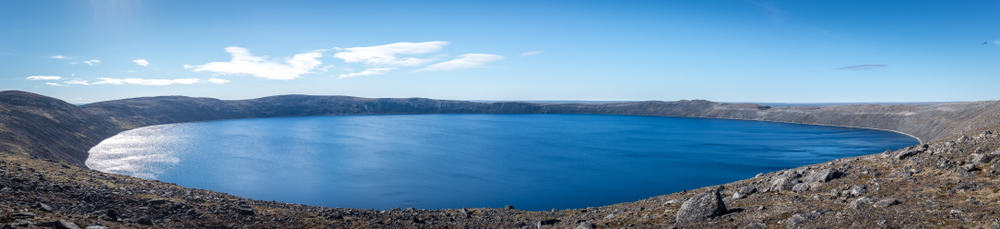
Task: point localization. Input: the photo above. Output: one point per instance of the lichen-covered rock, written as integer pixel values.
(701, 206)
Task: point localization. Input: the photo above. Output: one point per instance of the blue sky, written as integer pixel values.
(757, 51)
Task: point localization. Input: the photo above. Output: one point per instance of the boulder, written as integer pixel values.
(783, 182)
(744, 191)
(822, 175)
(701, 206)
(909, 152)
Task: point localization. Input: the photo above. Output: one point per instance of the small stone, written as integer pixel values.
(701, 206)
(610, 216)
(795, 221)
(96, 227)
(755, 225)
(61, 224)
(18, 223)
(44, 207)
(860, 202)
(508, 207)
(585, 225)
(886, 202)
(857, 190)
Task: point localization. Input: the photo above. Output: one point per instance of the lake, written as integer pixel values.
(532, 161)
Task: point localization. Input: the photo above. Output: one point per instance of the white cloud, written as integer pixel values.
(391, 54)
(55, 84)
(43, 77)
(59, 57)
(470, 60)
(141, 62)
(145, 82)
(77, 82)
(366, 72)
(996, 42)
(90, 62)
(531, 53)
(218, 81)
(243, 63)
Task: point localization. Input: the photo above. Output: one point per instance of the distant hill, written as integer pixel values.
(49, 128)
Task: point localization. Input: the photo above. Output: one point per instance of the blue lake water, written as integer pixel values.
(535, 162)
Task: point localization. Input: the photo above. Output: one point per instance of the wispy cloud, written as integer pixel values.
(141, 62)
(77, 82)
(862, 67)
(43, 77)
(55, 84)
(367, 72)
(244, 63)
(90, 62)
(394, 54)
(531, 53)
(218, 81)
(470, 60)
(145, 82)
(59, 57)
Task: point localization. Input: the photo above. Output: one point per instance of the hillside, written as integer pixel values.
(949, 182)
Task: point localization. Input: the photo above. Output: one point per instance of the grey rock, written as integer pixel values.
(61, 224)
(783, 182)
(800, 187)
(701, 206)
(910, 152)
(886, 202)
(823, 175)
(755, 225)
(860, 202)
(44, 207)
(96, 227)
(795, 221)
(585, 225)
(508, 207)
(857, 190)
(18, 223)
(744, 191)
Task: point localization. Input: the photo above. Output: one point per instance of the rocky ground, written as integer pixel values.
(945, 184)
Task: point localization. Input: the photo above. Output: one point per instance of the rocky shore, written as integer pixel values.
(949, 182)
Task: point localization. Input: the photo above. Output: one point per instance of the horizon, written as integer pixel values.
(548, 101)
(768, 51)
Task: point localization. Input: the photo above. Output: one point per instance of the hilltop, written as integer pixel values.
(946, 182)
